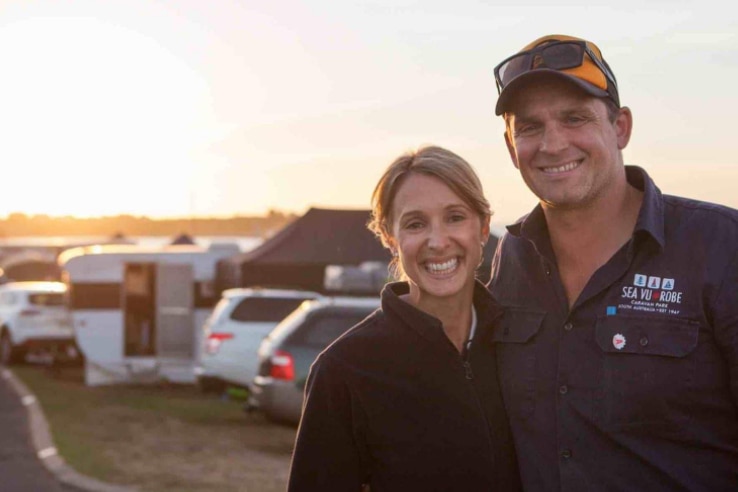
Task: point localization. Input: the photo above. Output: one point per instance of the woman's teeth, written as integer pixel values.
(444, 267)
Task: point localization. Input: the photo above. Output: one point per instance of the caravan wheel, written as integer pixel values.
(9, 354)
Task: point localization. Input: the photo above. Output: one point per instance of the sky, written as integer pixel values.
(220, 108)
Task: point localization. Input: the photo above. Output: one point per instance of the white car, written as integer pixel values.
(233, 332)
(34, 319)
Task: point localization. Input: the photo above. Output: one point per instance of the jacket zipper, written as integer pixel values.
(468, 373)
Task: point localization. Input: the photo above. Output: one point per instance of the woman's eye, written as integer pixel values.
(413, 225)
(457, 217)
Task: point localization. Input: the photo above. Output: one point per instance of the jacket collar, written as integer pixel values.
(430, 327)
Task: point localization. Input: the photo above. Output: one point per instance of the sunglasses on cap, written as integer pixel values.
(554, 55)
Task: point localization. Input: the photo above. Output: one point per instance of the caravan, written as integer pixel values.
(137, 311)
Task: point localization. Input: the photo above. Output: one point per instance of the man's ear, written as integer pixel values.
(511, 149)
(623, 126)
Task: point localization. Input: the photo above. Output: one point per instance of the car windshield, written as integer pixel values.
(46, 299)
(265, 308)
(325, 328)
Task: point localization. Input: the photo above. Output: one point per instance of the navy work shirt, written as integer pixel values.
(636, 386)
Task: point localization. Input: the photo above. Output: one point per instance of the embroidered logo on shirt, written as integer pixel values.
(652, 294)
(618, 341)
(654, 282)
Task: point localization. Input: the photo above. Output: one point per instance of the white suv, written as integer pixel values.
(33, 319)
(233, 332)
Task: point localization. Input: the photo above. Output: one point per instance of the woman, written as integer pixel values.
(408, 400)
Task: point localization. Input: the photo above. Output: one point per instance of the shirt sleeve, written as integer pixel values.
(326, 456)
(725, 321)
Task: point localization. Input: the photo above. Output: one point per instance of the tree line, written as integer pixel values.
(19, 224)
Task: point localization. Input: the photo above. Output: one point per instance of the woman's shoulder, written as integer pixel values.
(359, 341)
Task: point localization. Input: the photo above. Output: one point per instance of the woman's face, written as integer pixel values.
(438, 238)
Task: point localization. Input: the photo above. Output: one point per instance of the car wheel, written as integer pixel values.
(9, 354)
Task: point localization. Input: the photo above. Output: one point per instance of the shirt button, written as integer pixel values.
(644, 341)
(568, 326)
(563, 389)
(566, 454)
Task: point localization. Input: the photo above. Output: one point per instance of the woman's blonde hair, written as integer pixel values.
(434, 161)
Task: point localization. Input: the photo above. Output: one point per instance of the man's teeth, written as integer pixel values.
(443, 267)
(561, 169)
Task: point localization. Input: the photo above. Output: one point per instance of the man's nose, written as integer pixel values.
(553, 139)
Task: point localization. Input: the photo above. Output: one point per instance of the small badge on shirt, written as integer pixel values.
(618, 341)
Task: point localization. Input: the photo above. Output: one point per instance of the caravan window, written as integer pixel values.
(265, 308)
(95, 296)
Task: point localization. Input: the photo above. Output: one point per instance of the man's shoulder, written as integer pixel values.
(701, 215)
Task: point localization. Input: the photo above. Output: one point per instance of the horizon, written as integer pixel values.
(144, 108)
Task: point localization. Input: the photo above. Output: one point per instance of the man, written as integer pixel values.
(618, 353)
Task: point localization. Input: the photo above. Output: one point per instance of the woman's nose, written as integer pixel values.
(438, 238)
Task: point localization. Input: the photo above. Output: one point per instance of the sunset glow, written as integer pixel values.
(221, 108)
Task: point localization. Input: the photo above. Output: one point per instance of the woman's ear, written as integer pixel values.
(391, 244)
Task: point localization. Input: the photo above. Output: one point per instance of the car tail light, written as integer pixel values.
(29, 312)
(214, 340)
(283, 366)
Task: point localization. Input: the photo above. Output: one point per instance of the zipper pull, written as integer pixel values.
(468, 370)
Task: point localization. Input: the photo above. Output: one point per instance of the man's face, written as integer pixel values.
(564, 144)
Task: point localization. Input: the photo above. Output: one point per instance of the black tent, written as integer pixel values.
(29, 265)
(183, 238)
(296, 256)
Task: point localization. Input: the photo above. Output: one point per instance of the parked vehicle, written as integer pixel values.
(138, 310)
(233, 332)
(33, 319)
(286, 354)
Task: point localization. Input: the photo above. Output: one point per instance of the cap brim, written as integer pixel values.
(510, 89)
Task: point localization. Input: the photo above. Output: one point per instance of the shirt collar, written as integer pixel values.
(650, 222)
(651, 216)
(486, 307)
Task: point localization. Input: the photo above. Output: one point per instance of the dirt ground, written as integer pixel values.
(167, 454)
(166, 438)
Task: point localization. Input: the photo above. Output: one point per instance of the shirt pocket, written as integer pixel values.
(648, 371)
(516, 359)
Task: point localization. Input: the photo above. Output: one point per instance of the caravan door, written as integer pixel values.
(174, 310)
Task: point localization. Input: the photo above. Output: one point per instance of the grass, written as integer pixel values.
(160, 437)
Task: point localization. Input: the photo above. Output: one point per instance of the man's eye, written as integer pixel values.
(525, 129)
